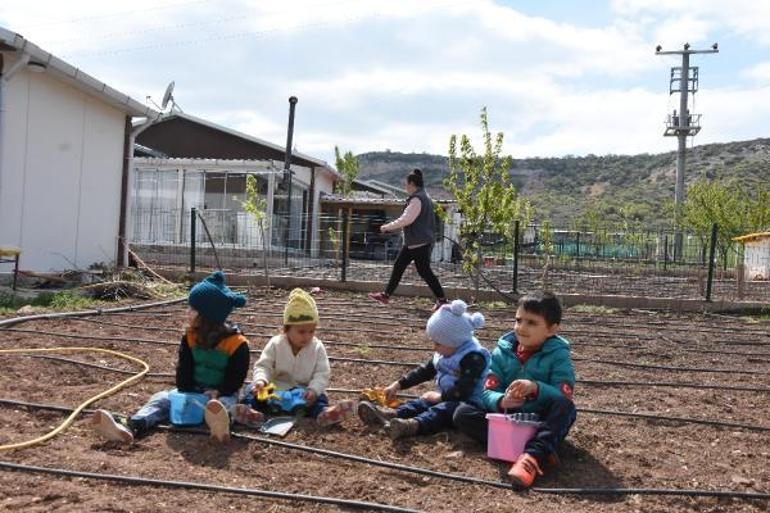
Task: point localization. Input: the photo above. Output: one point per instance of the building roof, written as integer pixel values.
(175, 118)
(61, 70)
(266, 166)
(751, 237)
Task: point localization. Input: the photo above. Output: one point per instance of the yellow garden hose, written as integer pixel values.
(76, 411)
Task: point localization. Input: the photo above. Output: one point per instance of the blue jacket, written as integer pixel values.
(448, 369)
(551, 368)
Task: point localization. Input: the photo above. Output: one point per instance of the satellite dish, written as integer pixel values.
(168, 96)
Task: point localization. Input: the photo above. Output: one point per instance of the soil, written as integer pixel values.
(600, 451)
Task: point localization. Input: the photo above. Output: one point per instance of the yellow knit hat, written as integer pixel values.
(300, 309)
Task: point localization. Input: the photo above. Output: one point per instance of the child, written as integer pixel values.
(297, 358)
(213, 359)
(531, 372)
(459, 365)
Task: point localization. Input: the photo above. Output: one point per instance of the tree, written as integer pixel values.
(257, 207)
(482, 189)
(734, 210)
(347, 165)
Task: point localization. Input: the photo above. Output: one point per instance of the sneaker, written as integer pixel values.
(372, 415)
(217, 420)
(524, 471)
(439, 304)
(248, 416)
(380, 297)
(106, 426)
(336, 414)
(401, 428)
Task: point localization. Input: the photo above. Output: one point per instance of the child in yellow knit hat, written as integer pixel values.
(295, 358)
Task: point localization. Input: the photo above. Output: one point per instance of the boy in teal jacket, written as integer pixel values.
(531, 372)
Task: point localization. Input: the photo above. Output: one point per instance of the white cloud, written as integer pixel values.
(760, 72)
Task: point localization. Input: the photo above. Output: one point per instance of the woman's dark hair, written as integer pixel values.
(544, 304)
(208, 334)
(415, 178)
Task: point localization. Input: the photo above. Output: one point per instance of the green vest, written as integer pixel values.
(210, 364)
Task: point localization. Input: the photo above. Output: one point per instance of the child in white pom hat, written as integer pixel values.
(459, 366)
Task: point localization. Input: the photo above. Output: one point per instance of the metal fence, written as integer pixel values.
(344, 247)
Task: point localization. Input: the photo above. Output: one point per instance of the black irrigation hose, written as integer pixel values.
(163, 342)
(688, 420)
(190, 485)
(450, 476)
(99, 311)
(734, 388)
(330, 342)
(409, 364)
(669, 367)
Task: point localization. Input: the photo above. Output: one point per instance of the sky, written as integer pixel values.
(558, 77)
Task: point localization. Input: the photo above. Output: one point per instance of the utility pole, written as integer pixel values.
(287, 176)
(683, 80)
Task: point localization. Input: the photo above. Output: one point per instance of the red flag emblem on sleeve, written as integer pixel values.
(491, 382)
(566, 390)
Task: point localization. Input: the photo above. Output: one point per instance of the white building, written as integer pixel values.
(65, 150)
(756, 255)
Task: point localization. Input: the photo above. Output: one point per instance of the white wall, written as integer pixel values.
(61, 173)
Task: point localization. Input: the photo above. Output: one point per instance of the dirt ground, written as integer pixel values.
(601, 450)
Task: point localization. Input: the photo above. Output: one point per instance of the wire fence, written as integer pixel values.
(348, 246)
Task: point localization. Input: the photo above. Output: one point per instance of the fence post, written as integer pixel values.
(665, 251)
(712, 249)
(577, 245)
(193, 214)
(516, 257)
(344, 275)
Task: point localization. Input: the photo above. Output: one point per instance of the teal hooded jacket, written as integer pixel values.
(551, 368)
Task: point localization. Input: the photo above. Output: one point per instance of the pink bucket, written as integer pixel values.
(508, 435)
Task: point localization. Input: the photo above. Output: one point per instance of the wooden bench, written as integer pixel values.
(9, 254)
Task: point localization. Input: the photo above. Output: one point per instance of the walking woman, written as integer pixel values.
(419, 223)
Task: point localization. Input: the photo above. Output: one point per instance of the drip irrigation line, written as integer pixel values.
(261, 335)
(670, 367)
(734, 388)
(163, 342)
(447, 475)
(689, 420)
(574, 342)
(406, 364)
(82, 313)
(192, 485)
(136, 376)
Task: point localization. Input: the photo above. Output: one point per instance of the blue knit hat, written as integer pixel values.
(451, 326)
(212, 299)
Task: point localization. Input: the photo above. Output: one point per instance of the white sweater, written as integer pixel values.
(309, 368)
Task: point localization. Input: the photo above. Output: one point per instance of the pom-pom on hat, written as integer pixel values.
(213, 300)
(451, 326)
(300, 308)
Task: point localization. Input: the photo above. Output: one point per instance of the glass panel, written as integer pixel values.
(214, 191)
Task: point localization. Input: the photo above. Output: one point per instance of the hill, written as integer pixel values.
(562, 187)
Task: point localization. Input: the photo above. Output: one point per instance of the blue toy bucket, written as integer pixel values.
(187, 408)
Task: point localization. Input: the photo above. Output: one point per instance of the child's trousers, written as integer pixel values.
(157, 409)
(557, 418)
(432, 417)
(320, 404)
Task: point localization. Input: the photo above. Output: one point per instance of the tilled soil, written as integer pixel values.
(602, 451)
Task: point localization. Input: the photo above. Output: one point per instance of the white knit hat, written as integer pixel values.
(451, 326)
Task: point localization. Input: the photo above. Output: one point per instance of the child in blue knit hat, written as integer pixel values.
(213, 360)
(458, 365)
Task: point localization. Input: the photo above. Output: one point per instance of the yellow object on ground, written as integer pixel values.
(61, 427)
(377, 395)
(267, 392)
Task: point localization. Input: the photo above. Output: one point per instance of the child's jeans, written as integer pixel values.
(157, 409)
(558, 417)
(320, 404)
(432, 417)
